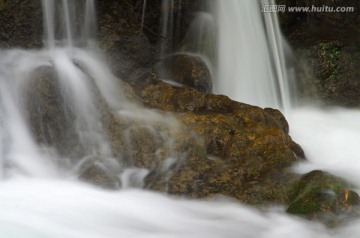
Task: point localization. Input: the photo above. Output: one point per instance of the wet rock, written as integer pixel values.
(50, 119)
(182, 12)
(116, 20)
(129, 53)
(237, 150)
(243, 158)
(98, 174)
(330, 72)
(187, 70)
(20, 24)
(319, 195)
(284, 125)
(201, 36)
(326, 49)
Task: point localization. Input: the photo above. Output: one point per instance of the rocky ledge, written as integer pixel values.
(194, 144)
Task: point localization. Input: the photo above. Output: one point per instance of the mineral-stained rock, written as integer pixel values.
(242, 151)
(188, 70)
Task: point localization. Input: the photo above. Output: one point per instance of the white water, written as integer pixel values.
(250, 55)
(330, 138)
(41, 203)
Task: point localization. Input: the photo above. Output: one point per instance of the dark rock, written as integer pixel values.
(201, 37)
(129, 53)
(329, 71)
(303, 27)
(187, 70)
(20, 23)
(326, 48)
(51, 121)
(284, 125)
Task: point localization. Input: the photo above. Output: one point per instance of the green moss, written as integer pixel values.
(318, 194)
(328, 54)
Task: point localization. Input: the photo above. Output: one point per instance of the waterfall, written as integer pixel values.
(18, 148)
(62, 26)
(76, 68)
(37, 201)
(251, 60)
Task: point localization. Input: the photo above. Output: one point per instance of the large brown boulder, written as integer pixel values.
(239, 150)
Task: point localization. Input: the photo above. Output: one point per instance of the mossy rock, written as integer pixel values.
(320, 195)
(328, 59)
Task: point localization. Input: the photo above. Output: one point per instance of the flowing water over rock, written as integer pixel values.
(60, 206)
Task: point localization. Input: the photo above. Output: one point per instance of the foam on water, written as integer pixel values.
(330, 138)
(45, 208)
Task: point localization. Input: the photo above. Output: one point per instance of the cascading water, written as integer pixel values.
(251, 66)
(76, 71)
(34, 206)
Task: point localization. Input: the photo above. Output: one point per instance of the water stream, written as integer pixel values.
(257, 74)
(36, 200)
